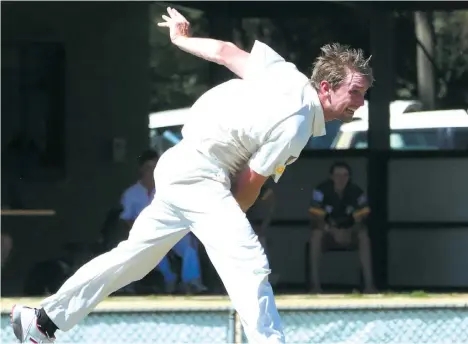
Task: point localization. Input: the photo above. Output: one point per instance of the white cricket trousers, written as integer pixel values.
(193, 194)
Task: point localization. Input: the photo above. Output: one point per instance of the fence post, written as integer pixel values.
(231, 337)
(238, 330)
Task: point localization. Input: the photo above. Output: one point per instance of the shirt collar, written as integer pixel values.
(318, 124)
(150, 192)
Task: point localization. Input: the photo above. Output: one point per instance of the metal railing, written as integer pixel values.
(305, 321)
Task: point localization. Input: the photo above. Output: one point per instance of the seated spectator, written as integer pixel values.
(134, 200)
(46, 277)
(339, 209)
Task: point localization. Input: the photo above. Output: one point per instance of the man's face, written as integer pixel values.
(340, 177)
(147, 169)
(347, 97)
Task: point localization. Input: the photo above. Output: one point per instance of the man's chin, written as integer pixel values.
(346, 118)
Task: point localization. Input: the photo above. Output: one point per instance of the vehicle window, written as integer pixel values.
(161, 139)
(459, 138)
(417, 139)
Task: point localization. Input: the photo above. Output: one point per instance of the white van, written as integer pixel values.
(396, 107)
(425, 130)
(165, 128)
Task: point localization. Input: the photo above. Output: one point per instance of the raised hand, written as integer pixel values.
(178, 25)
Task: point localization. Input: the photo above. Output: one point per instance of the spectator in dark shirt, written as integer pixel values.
(339, 209)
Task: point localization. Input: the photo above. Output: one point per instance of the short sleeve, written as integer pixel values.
(264, 60)
(283, 147)
(317, 202)
(361, 205)
(127, 206)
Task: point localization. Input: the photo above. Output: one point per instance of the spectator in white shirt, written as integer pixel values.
(139, 196)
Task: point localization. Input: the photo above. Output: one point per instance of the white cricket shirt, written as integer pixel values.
(264, 120)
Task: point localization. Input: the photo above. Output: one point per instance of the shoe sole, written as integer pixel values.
(15, 320)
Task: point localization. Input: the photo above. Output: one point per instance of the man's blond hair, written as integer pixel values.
(336, 61)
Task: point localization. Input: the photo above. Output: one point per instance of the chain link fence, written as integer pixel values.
(138, 327)
(374, 323)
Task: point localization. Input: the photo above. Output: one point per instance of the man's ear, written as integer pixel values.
(325, 87)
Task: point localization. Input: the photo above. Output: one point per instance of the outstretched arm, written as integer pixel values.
(220, 52)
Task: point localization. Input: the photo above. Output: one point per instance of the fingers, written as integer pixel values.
(175, 14)
(178, 15)
(170, 10)
(167, 21)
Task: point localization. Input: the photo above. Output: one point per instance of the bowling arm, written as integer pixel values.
(223, 53)
(247, 188)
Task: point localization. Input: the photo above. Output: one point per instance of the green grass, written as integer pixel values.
(419, 293)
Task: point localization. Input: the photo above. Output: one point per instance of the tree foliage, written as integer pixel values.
(179, 78)
(451, 30)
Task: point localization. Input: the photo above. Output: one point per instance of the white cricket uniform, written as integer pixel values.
(264, 122)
